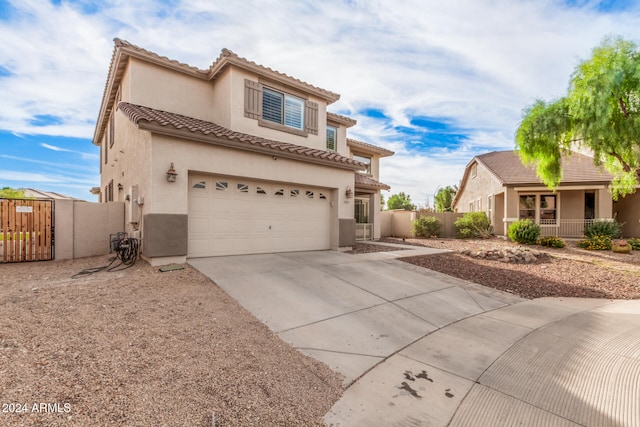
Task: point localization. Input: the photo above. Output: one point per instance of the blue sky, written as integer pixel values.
(437, 82)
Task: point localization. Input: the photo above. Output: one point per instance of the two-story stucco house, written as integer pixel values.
(234, 159)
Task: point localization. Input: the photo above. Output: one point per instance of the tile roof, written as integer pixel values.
(123, 50)
(368, 182)
(188, 127)
(347, 121)
(228, 57)
(370, 147)
(509, 170)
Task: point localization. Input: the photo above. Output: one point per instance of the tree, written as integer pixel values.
(444, 198)
(601, 112)
(11, 193)
(400, 201)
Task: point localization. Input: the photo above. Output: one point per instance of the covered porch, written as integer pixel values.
(367, 207)
(564, 213)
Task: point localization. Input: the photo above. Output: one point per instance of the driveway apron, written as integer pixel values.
(417, 347)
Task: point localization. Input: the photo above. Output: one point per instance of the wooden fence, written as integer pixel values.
(26, 230)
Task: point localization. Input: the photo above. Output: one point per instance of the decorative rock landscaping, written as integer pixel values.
(513, 255)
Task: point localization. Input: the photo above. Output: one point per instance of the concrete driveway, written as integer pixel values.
(418, 347)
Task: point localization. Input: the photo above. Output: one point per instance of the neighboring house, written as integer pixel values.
(40, 194)
(234, 159)
(500, 185)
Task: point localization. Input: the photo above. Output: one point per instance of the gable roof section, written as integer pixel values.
(124, 50)
(177, 125)
(383, 152)
(508, 170)
(366, 181)
(228, 57)
(507, 167)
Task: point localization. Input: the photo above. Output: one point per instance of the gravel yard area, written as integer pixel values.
(140, 347)
(566, 272)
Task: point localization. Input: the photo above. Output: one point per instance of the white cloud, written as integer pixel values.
(28, 176)
(475, 63)
(54, 148)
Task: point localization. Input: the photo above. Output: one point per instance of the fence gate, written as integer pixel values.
(26, 230)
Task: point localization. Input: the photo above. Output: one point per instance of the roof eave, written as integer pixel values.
(228, 58)
(123, 51)
(341, 120)
(154, 127)
(382, 152)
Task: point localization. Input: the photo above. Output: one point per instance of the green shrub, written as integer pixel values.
(603, 228)
(635, 243)
(596, 243)
(551, 242)
(473, 225)
(524, 231)
(426, 226)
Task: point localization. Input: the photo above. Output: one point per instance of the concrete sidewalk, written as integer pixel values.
(418, 347)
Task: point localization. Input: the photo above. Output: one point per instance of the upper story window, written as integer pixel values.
(366, 160)
(281, 108)
(275, 108)
(332, 138)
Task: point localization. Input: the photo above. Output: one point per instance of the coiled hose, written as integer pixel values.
(127, 251)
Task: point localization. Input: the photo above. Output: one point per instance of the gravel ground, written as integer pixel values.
(566, 272)
(139, 348)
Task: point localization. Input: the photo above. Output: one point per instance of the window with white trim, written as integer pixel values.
(366, 160)
(282, 108)
(527, 207)
(332, 138)
(548, 208)
(276, 108)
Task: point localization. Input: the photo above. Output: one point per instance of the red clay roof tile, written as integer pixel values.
(138, 114)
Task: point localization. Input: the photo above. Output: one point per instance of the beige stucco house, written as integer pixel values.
(500, 185)
(234, 159)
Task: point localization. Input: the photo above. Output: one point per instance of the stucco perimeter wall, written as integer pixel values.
(398, 223)
(82, 229)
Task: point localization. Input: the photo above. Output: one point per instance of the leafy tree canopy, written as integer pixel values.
(11, 193)
(444, 198)
(400, 201)
(600, 112)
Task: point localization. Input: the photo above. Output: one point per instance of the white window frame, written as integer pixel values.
(291, 112)
(366, 159)
(332, 143)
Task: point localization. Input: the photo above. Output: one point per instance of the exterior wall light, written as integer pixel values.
(349, 192)
(171, 174)
(120, 187)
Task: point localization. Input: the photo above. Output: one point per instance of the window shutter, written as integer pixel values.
(252, 108)
(311, 117)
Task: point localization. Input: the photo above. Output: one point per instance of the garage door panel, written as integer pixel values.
(230, 216)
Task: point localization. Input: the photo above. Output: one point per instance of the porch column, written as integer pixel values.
(604, 204)
(374, 214)
(511, 208)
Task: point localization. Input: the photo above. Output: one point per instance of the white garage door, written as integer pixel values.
(231, 216)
